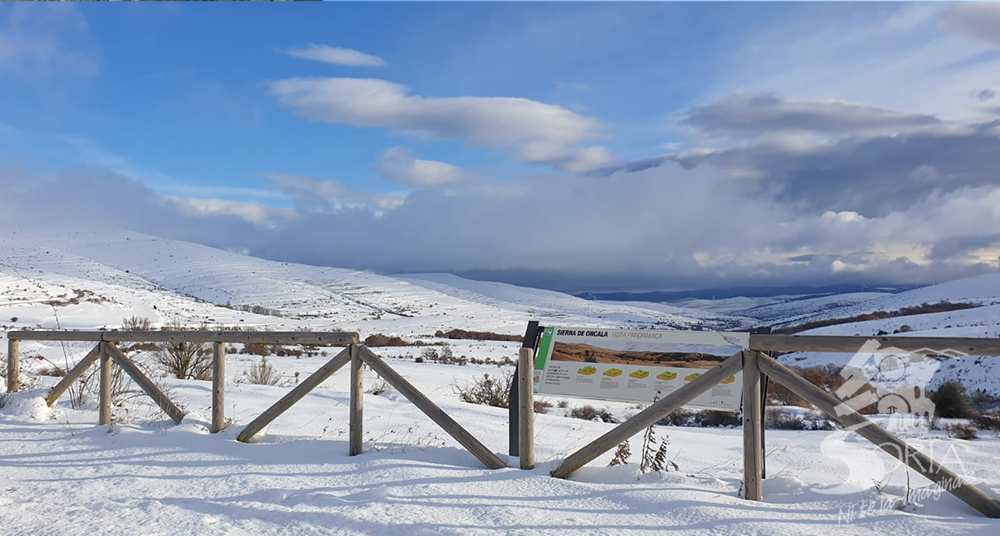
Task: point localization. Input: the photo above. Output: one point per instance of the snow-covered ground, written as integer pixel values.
(62, 474)
(65, 475)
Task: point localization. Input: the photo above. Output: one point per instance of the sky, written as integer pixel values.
(578, 147)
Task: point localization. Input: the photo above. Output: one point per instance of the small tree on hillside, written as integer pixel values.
(951, 401)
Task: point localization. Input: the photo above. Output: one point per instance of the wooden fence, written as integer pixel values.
(356, 354)
(754, 362)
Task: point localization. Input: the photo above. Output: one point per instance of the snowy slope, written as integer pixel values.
(132, 269)
(981, 290)
(794, 310)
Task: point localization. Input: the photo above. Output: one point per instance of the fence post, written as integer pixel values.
(357, 401)
(513, 405)
(104, 416)
(218, 386)
(526, 407)
(12, 365)
(753, 454)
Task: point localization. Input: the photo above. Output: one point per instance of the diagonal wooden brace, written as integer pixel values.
(293, 396)
(430, 409)
(147, 385)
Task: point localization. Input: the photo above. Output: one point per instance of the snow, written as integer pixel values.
(63, 474)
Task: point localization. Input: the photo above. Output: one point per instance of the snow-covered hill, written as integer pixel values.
(800, 309)
(124, 273)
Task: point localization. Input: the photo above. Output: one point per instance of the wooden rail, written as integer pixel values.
(317, 338)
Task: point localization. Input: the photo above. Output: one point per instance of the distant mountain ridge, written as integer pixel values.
(798, 291)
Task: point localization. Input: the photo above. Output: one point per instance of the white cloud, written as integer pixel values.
(762, 113)
(397, 164)
(599, 232)
(335, 55)
(980, 20)
(251, 212)
(312, 193)
(534, 132)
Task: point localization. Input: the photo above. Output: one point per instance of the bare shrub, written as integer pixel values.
(378, 339)
(777, 419)
(380, 387)
(184, 359)
(590, 413)
(679, 417)
(90, 384)
(654, 458)
(490, 391)
(542, 406)
(256, 348)
(725, 419)
(987, 421)
(622, 454)
(263, 373)
(137, 323)
(54, 370)
(962, 431)
(477, 335)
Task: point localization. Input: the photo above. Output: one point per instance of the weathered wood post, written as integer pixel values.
(218, 386)
(753, 453)
(13, 365)
(104, 416)
(357, 401)
(526, 407)
(513, 407)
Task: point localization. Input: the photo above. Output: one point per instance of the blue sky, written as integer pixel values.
(174, 80)
(445, 133)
